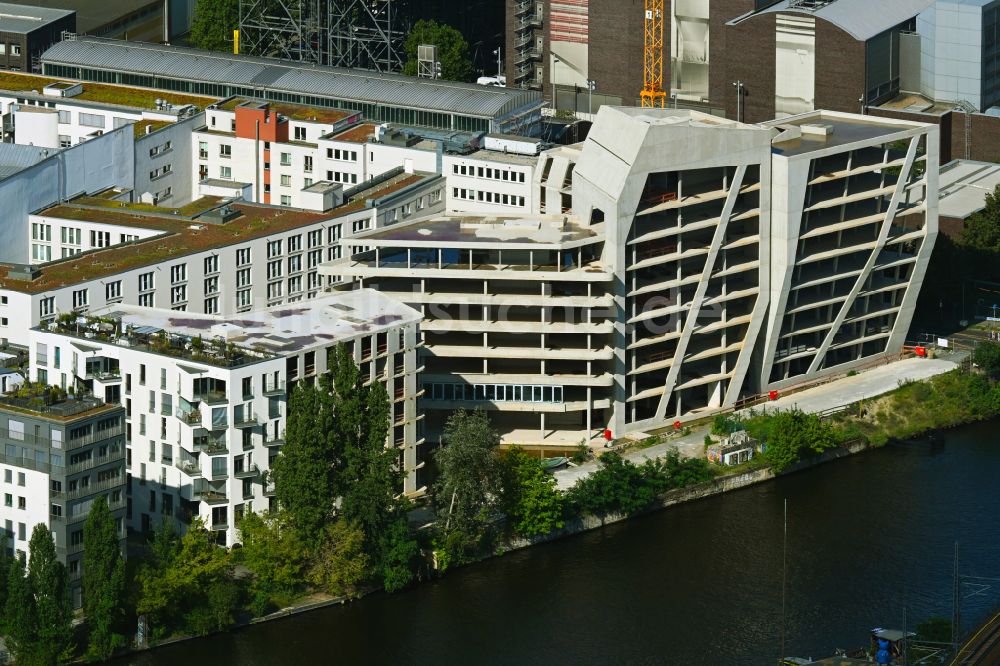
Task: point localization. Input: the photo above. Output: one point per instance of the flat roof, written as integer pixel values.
(284, 329)
(29, 16)
(528, 231)
(500, 156)
(843, 129)
(356, 134)
(182, 232)
(963, 186)
(100, 93)
(287, 75)
(93, 14)
(15, 157)
(917, 103)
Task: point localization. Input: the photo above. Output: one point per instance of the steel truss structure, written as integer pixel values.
(339, 33)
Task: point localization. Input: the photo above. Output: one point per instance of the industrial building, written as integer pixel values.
(704, 262)
(394, 98)
(134, 20)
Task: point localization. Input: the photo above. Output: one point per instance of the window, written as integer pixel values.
(244, 298)
(71, 236)
(307, 164)
(100, 238)
(203, 150)
(243, 276)
(41, 232)
(113, 291)
(300, 133)
(15, 49)
(212, 305)
(243, 256)
(274, 269)
(295, 263)
(80, 298)
(146, 282)
(225, 150)
(21, 503)
(286, 200)
(286, 180)
(315, 238)
(146, 300)
(65, 117)
(47, 306)
(333, 234)
(212, 285)
(286, 159)
(295, 243)
(273, 248)
(225, 173)
(212, 264)
(274, 290)
(41, 252)
(178, 273)
(178, 294)
(91, 120)
(295, 284)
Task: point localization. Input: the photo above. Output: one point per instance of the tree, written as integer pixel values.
(982, 229)
(340, 564)
(20, 615)
(302, 473)
(213, 23)
(5, 565)
(103, 582)
(470, 476)
(787, 436)
(48, 582)
(274, 553)
(531, 500)
(452, 50)
(987, 357)
(618, 486)
(188, 584)
(398, 553)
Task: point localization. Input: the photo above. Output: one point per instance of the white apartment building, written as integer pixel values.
(705, 262)
(490, 181)
(212, 256)
(205, 396)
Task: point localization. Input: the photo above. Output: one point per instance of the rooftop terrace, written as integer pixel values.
(52, 403)
(100, 93)
(511, 231)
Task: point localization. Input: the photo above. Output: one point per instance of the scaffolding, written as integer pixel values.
(339, 33)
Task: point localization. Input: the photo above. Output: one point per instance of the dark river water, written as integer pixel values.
(870, 542)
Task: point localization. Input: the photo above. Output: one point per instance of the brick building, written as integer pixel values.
(26, 32)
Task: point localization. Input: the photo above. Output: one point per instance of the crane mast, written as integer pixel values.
(653, 94)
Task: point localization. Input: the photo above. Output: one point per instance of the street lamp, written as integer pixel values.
(552, 75)
(591, 85)
(496, 52)
(739, 100)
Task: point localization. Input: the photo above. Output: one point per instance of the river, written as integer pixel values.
(868, 537)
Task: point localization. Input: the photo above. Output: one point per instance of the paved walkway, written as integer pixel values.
(839, 393)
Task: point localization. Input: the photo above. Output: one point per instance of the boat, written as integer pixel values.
(551, 464)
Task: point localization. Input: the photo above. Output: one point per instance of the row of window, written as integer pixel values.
(494, 392)
(506, 175)
(487, 197)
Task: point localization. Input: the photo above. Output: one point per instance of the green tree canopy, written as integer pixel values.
(787, 436)
(470, 477)
(20, 617)
(531, 500)
(340, 563)
(274, 553)
(617, 486)
(452, 50)
(982, 229)
(5, 564)
(48, 583)
(103, 582)
(987, 357)
(213, 24)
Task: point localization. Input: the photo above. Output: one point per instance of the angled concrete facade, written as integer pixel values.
(684, 197)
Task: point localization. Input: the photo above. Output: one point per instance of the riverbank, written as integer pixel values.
(889, 379)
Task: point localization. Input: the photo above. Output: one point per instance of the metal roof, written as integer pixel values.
(862, 19)
(15, 158)
(24, 19)
(91, 15)
(289, 76)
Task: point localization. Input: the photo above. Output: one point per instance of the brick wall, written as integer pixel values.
(721, 39)
(616, 48)
(840, 69)
(749, 57)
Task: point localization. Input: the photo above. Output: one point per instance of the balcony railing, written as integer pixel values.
(189, 467)
(94, 488)
(274, 387)
(82, 466)
(245, 420)
(192, 418)
(212, 448)
(270, 440)
(248, 472)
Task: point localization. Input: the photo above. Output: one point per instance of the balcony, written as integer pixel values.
(190, 467)
(212, 397)
(209, 493)
(271, 441)
(245, 417)
(273, 388)
(96, 461)
(212, 447)
(247, 472)
(192, 418)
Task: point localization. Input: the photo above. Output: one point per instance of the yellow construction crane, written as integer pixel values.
(653, 94)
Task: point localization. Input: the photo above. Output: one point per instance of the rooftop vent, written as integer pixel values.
(220, 215)
(24, 272)
(816, 129)
(62, 89)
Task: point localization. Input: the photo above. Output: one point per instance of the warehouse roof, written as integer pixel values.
(92, 14)
(24, 19)
(285, 75)
(856, 17)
